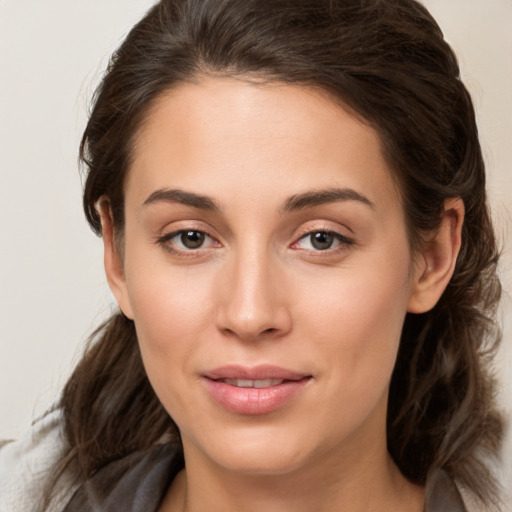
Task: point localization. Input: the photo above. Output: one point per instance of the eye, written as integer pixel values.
(322, 241)
(191, 239)
(187, 240)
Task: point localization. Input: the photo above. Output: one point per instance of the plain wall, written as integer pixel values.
(52, 288)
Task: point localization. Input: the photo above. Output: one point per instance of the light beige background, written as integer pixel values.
(52, 289)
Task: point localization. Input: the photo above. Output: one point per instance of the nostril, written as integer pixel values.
(262, 334)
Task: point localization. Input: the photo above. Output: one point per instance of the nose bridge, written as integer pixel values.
(253, 305)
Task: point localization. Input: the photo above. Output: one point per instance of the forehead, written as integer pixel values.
(230, 135)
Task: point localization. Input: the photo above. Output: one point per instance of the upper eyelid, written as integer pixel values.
(186, 225)
(340, 236)
(331, 231)
(171, 234)
(300, 233)
(324, 226)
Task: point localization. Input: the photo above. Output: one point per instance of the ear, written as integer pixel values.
(435, 264)
(113, 261)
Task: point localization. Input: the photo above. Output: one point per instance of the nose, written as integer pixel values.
(254, 304)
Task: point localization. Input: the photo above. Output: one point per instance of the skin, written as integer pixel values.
(258, 291)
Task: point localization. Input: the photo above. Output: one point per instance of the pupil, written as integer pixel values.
(192, 239)
(322, 240)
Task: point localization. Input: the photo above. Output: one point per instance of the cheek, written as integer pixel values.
(357, 322)
(172, 321)
(164, 297)
(172, 311)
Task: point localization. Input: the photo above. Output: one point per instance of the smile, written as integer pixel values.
(252, 391)
(247, 383)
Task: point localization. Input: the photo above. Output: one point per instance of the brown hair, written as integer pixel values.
(388, 61)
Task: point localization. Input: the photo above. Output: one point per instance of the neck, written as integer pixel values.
(368, 480)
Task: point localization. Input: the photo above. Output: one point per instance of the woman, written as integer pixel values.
(292, 201)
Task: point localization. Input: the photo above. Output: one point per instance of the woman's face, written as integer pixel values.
(268, 272)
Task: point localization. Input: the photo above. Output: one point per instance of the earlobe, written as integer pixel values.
(436, 263)
(113, 262)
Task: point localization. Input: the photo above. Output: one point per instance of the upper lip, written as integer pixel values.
(260, 372)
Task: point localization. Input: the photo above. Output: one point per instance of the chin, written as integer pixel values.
(266, 462)
(259, 451)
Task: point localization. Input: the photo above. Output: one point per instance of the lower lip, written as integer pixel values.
(254, 400)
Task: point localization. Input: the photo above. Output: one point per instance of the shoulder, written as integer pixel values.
(26, 465)
(443, 494)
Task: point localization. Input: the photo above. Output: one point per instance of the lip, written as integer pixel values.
(254, 401)
(260, 372)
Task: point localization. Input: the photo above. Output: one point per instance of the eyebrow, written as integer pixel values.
(319, 197)
(293, 203)
(180, 196)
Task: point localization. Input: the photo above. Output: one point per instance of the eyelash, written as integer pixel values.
(165, 242)
(343, 242)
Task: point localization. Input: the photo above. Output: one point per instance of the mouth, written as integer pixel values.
(248, 383)
(242, 376)
(258, 390)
